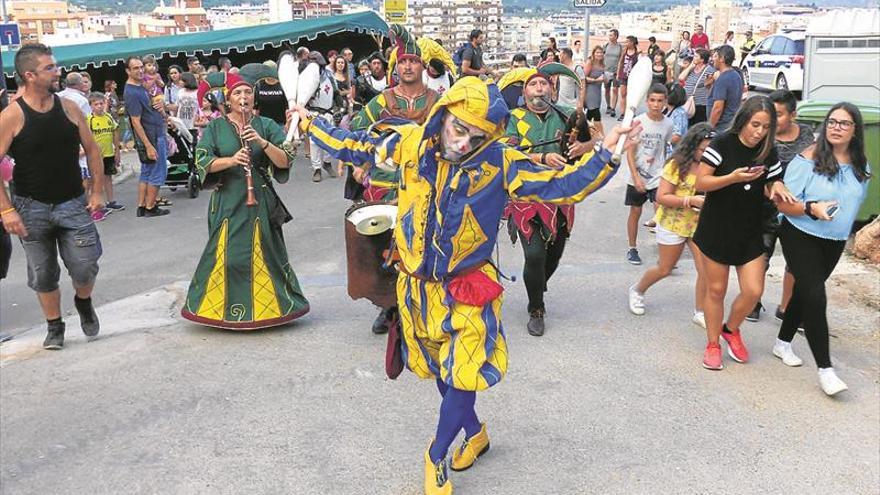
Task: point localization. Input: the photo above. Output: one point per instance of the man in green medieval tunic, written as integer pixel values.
(410, 99)
(542, 228)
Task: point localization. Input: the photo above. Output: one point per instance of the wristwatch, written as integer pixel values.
(808, 210)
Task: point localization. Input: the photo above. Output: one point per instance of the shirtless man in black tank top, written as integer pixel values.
(49, 209)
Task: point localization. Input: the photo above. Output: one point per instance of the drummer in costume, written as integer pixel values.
(542, 228)
(244, 280)
(455, 179)
(410, 99)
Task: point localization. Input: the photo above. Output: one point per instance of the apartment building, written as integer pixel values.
(182, 16)
(38, 18)
(451, 21)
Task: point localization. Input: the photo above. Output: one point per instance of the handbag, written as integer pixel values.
(690, 106)
(393, 348)
(141, 149)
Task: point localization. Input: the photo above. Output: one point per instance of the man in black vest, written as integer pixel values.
(49, 210)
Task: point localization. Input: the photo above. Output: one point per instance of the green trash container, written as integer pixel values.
(813, 113)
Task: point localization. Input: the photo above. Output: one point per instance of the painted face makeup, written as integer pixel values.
(459, 139)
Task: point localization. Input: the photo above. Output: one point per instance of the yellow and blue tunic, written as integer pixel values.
(447, 225)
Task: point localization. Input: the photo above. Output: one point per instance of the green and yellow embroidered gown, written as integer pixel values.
(244, 280)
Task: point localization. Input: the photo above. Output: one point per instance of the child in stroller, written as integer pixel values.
(181, 158)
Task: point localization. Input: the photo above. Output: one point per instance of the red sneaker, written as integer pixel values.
(736, 348)
(712, 357)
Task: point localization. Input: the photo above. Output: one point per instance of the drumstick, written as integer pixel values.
(637, 88)
(288, 77)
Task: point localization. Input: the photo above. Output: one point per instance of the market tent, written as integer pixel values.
(254, 38)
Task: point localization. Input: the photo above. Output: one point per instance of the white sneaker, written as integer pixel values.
(636, 301)
(699, 319)
(831, 384)
(786, 354)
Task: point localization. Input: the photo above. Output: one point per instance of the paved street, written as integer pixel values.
(605, 403)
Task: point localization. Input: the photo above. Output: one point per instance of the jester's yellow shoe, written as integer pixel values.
(472, 448)
(436, 480)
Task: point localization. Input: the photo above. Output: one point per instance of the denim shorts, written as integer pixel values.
(66, 228)
(155, 173)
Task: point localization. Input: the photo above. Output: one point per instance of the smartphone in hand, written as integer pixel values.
(832, 210)
(756, 168)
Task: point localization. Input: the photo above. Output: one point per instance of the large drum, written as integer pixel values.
(368, 232)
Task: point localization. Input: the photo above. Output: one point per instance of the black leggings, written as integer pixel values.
(811, 260)
(542, 258)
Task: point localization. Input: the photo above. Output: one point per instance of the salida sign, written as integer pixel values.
(589, 4)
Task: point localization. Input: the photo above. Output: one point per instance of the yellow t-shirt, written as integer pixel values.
(682, 221)
(103, 127)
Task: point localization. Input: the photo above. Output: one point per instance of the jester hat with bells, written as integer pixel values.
(433, 53)
(406, 47)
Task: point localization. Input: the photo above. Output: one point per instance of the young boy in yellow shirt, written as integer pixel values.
(106, 132)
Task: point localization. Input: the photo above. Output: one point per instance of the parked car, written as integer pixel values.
(777, 62)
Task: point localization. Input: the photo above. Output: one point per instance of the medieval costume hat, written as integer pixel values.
(512, 83)
(433, 54)
(215, 83)
(254, 72)
(405, 47)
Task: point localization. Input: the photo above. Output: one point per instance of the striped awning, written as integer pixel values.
(94, 55)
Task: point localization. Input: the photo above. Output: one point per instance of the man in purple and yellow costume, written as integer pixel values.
(542, 228)
(455, 177)
(410, 99)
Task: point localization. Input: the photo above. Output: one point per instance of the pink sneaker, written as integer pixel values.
(712, 357)
(736, 348)
(99, 215)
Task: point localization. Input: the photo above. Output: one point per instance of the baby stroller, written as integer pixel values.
(182, 164)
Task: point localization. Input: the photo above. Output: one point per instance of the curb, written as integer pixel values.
(155, 308)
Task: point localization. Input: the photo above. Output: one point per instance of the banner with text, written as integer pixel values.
(395, 11)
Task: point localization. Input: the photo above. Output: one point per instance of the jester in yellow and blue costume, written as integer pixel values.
(455, 179)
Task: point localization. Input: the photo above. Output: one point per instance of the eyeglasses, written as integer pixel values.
(843, 125)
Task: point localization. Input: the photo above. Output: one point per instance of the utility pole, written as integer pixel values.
(587, 5)
(586, 33)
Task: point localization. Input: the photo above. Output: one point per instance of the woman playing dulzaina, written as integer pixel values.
(454, 179)
(244, 280)
(677, 218)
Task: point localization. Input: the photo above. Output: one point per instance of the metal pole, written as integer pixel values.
(586, 33)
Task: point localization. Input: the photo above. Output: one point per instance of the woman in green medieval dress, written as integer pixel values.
(244, 280)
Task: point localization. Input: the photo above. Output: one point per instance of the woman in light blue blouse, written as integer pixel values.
(830, 181)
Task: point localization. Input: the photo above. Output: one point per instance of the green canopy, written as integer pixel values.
(240, 39)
